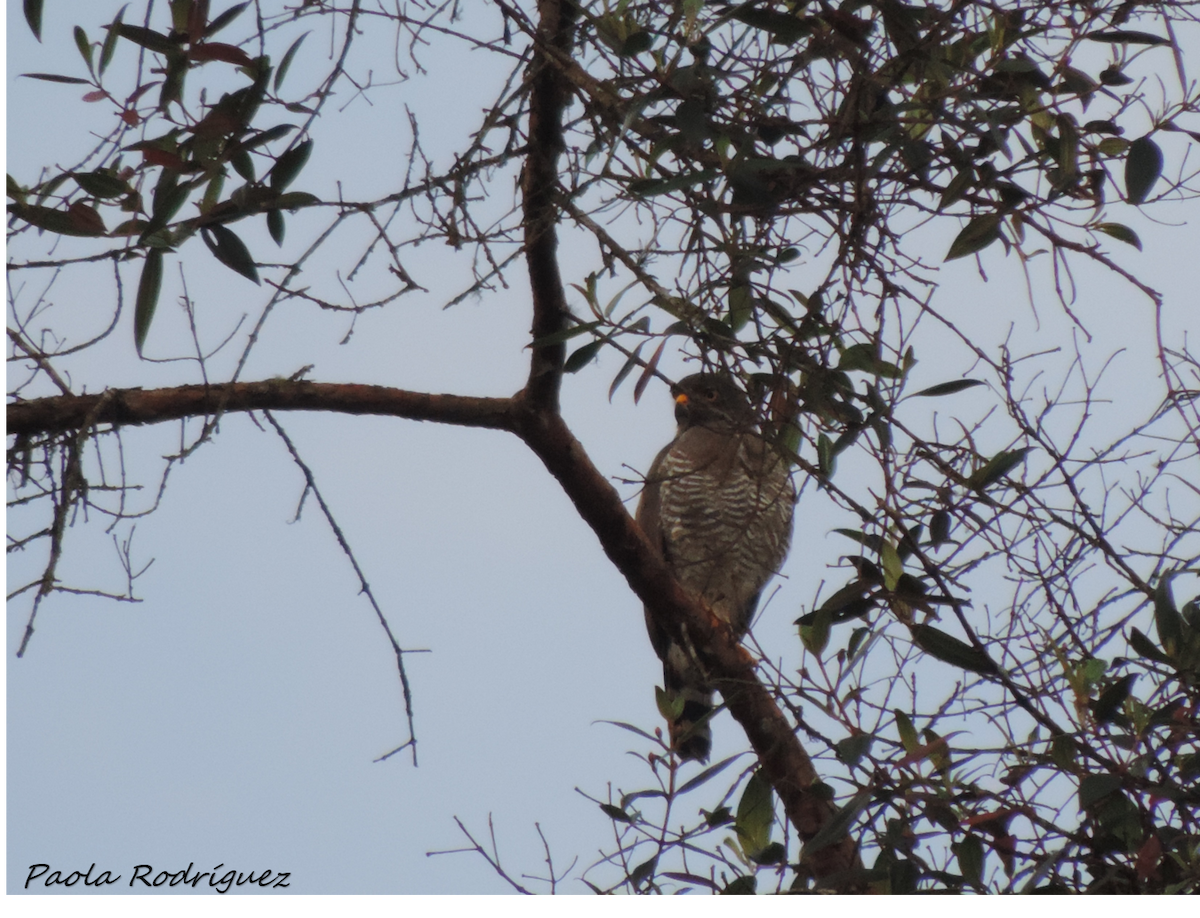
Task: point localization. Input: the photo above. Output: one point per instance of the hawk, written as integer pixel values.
(717, 503)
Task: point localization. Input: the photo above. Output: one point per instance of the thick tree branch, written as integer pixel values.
(122, 407)
(785, 763)
(548, 95)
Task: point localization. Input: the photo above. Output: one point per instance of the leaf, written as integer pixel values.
(632, 729)
(33, 16)
(1128, 37)
(949, 649)
(893, 567)
(644, 380)
(110, 40)
(286, 61)
(643, 870)
(630, 362)
(648, 187)
(219, 51)
(908, 733)
(578, 359)
(219, 22)
(709, 772)
(1167, 619)
(755, 815)
(1105, 707)
(101, 184)
(784, 27)
(565, 334)
(815, 636)
(851, 749)
(1145, 647)
(615, 813)
(1120, 232)
(970, 858)
(147, 297)
(636, 43)
(997, 467)
(147, 38)
(975, 236)
(84, 46)
(949, 388)
(741, 886)
(289, 164)
(229, 250)
(1143, 166)
(73, 222)
(275, 226)
(839, 826)
(56, 78)
(939, 527)
(1096, 787)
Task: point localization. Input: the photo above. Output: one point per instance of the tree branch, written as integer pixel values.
(548, 95)
(123, 407)
(785, 763)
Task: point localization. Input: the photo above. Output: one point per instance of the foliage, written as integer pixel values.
(1003, 694)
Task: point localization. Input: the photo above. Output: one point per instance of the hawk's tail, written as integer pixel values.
(690, 734)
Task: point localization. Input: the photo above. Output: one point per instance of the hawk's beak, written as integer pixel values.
(681, 399)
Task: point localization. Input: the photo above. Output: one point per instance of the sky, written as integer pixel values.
(233, 717)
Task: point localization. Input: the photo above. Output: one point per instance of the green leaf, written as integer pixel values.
(615, 813)
(1167, 618)
(784, 27)
(893, 567)
(975, 236)
(741, 886)
(101, 184)
(839, 826)
(706, 774)
(648, 187)
(949, 388)
(970, 858)
(670, 705)
(815, 636)
(110, 40)
(851, 749)
(582, 356)
(642, 871)
(630, 362)
(229, 250)
(275, 226)
(1128, 37)
(1145, 647)
(56, 78)
(1120, 232)
(741, 305)
(1106, 706)
(1143, 166)
(33, 16)
(289, 164)
(286, 62)
(80, 221)
(1096, 787)
(949, 649)
(997, 467)
(219, 22)
(636, 43)
(267, 136)
(84, 46)
(565, 334)
(147, 38)
(147, 297)
(908, 733)
(939, 527)
(755, 815)
(242, 164)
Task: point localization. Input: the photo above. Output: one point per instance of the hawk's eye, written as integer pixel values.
(710, 394)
